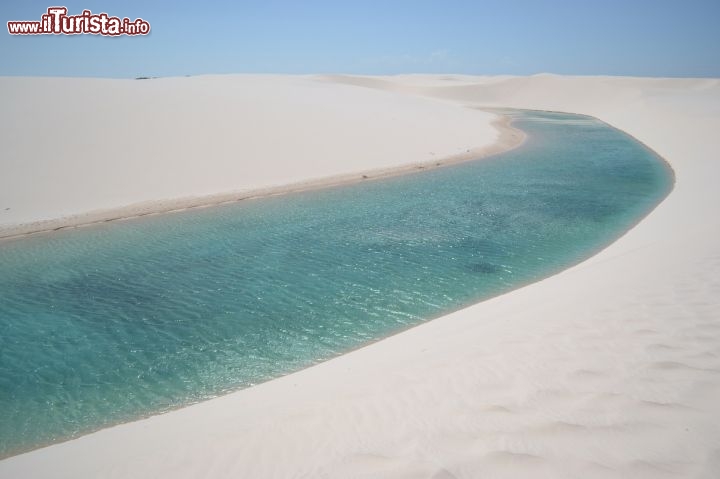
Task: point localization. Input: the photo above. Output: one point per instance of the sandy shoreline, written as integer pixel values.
(608, 369)
(131, 147)
(508, 138)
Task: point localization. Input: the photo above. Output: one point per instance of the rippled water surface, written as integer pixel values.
(109, 323)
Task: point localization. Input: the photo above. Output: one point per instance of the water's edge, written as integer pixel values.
(508, 139)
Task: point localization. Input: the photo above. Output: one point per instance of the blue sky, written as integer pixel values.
(583, 37)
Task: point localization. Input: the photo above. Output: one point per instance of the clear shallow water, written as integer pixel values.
(106, 324)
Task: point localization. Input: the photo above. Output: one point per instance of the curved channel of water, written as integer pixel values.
(109, 323)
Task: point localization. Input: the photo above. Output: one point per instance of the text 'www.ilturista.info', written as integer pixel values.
(57, 22)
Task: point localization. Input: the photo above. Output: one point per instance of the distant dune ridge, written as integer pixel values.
(608, 369)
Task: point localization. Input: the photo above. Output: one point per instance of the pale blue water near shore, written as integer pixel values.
(109, 323)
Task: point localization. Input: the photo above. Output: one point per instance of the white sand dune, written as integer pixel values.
(608, 369)
(81, 150)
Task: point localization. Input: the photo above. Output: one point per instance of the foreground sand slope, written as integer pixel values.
(78, 149)
(609, 369)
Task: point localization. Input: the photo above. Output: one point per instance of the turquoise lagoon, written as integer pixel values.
(111, 323)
